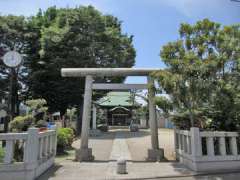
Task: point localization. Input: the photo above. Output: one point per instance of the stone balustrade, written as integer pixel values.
(39, 150)
(207, 150)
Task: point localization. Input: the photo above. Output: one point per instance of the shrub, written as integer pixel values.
(103, 127)
(70, 135)
(41, 123)
(181, 120)
(21, 123)
(1, 154)
(64, 139)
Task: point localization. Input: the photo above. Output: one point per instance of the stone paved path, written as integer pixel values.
(131, 146)
(120, 147)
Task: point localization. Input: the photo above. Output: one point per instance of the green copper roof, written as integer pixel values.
(116, 99)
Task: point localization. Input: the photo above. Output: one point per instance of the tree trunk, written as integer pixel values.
(6, 122)
(191, 117)
(191, 114)
(62, 116)
(17, 104)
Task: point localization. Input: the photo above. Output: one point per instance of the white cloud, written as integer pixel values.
(196, 8)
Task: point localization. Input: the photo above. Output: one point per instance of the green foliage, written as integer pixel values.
(72, 114)
(41, 123)
(101, 116)
(164, 104)
(78, 37)
(182, 120)
(1, 154)
(64, 139)
(38, 107)
(21, 123)
(202, 73)
(103, 127)
(13, 35)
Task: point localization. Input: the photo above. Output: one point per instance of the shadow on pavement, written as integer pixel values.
(126, 134)
(50, 172)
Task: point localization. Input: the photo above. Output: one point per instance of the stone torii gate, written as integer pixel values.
(85, 153)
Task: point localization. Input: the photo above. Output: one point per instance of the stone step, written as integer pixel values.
(118, 127)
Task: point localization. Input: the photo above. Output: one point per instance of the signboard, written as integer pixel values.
(12, 59)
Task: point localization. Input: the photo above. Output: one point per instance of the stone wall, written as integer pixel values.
(207, 150)
(39, 150)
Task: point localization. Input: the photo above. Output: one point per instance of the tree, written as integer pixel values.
(37, 108)
(143, 110)
(79, 37)
(197, 65)
(164, 104)
(13, 32)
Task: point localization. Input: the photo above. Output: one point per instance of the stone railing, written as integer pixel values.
(207, 150)
(38, 152)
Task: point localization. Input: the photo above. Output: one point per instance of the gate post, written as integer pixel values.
(85, 153)
(155, 153)
(94, 117)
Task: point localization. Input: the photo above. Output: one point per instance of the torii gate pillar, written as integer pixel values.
(85, 153)
(155, 153)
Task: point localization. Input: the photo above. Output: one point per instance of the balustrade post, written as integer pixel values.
(50, 145)
(188, 145)
(185, 147)
(54, 145)
(45, 145)
(210, 146)
(32, 148)
(233, 144)
(196, 143)
(182, 142)
(222, 144)
(9, 148)
(40, 148)
(176, 143)
(179, 143)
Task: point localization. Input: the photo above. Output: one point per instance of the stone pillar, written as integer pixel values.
(94, 117)
(210, 146)
(32, 147)
(31, 153)
(155, 153)
(196, 144)
(85, 153)
(233, 144)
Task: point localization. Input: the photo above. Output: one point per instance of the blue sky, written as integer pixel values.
(152, 22)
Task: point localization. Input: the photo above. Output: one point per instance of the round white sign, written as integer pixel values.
(12, 59)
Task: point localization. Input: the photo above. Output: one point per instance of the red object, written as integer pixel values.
(42, 129)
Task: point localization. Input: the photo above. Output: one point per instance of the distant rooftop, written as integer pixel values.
(117, 99)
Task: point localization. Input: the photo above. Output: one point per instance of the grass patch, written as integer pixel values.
(68, 154)
(1, 154)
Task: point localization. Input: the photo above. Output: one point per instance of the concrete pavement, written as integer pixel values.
(133, 147)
